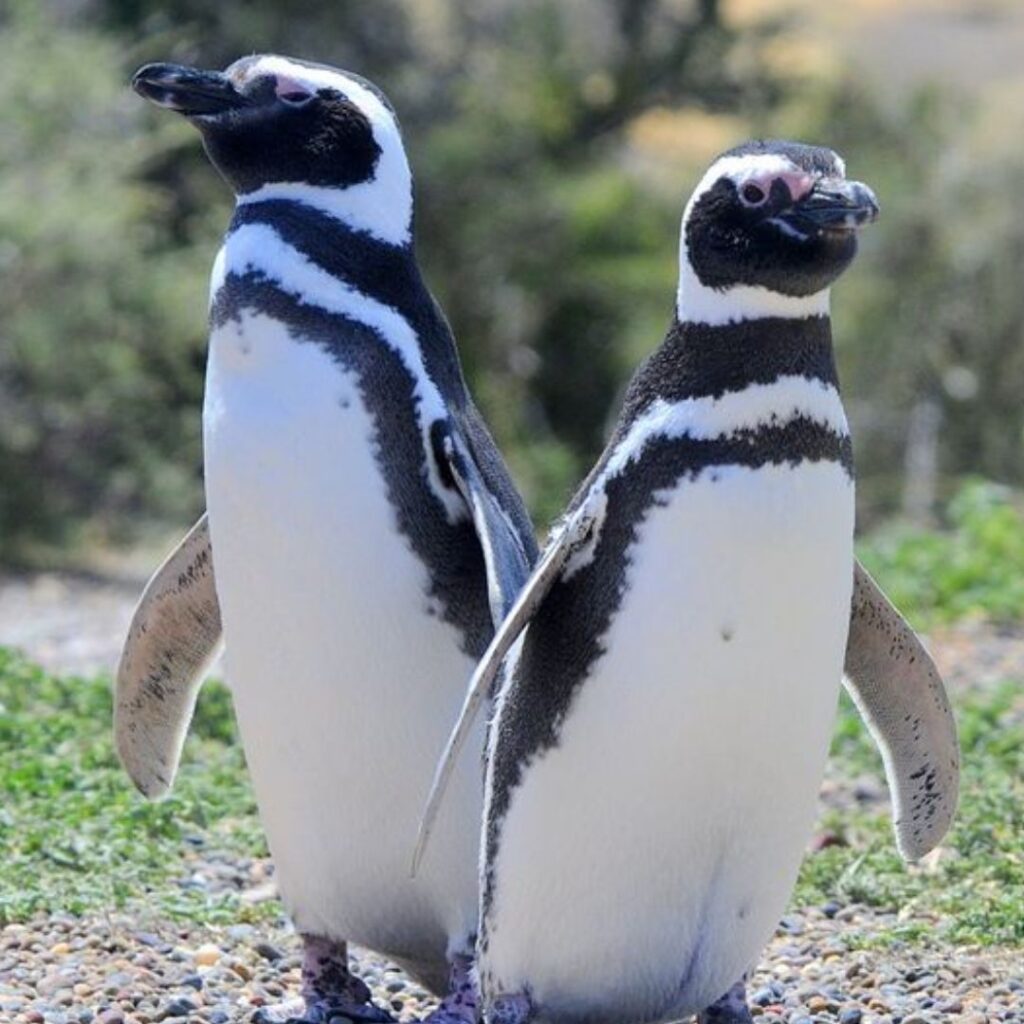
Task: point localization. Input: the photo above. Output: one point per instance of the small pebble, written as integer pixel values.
(243, 970)
(180, 1007)
(207, 955)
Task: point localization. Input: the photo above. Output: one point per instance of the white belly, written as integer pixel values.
(345, 688)
(645, 860)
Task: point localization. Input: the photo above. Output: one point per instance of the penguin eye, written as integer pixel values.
(752, 194)
(295, 99)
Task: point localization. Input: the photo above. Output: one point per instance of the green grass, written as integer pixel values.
(74, 834)
(976, 892)
(973, 569)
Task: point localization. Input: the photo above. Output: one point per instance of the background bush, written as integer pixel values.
(554, 142)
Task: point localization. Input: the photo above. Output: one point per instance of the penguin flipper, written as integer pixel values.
(530, 597)
(506, 561)
(175, 635)
(900, 695)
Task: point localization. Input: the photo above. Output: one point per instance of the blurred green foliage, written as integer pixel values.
(975, 568)
(100, 367)
(554, 142)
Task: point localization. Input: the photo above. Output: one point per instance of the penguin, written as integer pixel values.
(368, 536)
(176, 635)
(665, 709)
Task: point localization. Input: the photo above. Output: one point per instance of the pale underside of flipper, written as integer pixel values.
(900, 695)
(174, 637)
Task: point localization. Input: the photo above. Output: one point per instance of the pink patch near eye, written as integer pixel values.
(288, 89)
(799, 183)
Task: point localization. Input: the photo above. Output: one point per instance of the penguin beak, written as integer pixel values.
(189, 91)
(835, 205)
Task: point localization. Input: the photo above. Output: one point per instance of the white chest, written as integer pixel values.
(345, 683)
(679, 796)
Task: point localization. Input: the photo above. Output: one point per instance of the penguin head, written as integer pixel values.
(769, 228)
(276, 123)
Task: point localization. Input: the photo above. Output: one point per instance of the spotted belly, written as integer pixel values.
(346, 676)
(646, 855)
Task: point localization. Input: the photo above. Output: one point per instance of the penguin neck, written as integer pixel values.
(381, 207)
(710, 360)
(699, 364)
(353, 258)
(698, 303)
(724, 340)
(306, 251)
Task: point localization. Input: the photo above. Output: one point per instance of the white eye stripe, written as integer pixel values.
(315, 79)
(739, 170)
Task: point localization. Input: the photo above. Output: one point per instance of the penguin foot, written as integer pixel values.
(462, 1003)
(331, 994)
(516, 1009)
(730, 1009)
(448, 1015)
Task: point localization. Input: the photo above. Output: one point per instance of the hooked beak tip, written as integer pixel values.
(152, 76)
(838, 206)
(867, 207)
(187, 91)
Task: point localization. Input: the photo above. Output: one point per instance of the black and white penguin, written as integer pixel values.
(668, 699)
(367, 534)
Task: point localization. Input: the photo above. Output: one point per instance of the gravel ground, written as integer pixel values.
(71, 623)
(123, 969)
(114, 971)
(68, 623)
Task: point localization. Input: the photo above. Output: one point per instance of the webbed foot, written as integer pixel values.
(331, 994)
(730, 1009)
(462, 1003)
(509, 1009)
